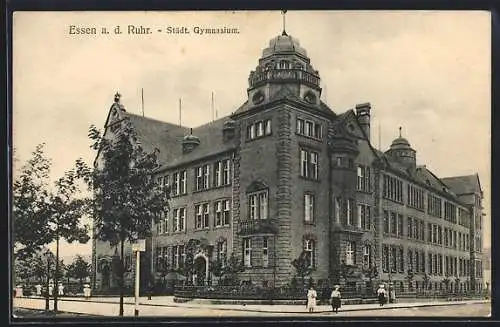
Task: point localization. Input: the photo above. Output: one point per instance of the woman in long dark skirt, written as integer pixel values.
(335, 298)
(382, 295)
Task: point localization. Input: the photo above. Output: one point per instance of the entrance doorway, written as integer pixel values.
(200, 270)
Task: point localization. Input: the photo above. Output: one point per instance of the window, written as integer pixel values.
(309, 129)
(429, 262)
(409, 227)
(268, 127)
(309, 164)
(175, 184)
(401, 262)
(350, 253)
(222, 213)
(364, 215)
(350, 212)
(199, 178)
(434, 205)
(227, 213)
(309, 249)
(251, 132)
(202, 215)
(363, 179)
(410, 260)
(206, 177)
(338, 210)
(309, 208)
(162, 226)
(367, 256)
(183, 182)
(450, 212)
(260, 128)
(386, 222)
(179, 216)
(218, 173)
(415, 197)
(394, 258)
(265, 252)
(393, 189)
(226, 179)
(400, 226)
(218, 213)
(222, 252)
(393, 223)
(258, 205)
(247, 252)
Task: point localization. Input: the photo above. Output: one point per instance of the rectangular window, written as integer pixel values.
(183, 182)
(434, 205)
(199, 178)
(268, 127)
(393, 188)
(367, 256)
(394, 258)
(429, 261)
(258, 206)
(175, 184)
(202, 215)
(206, 177)
(450, 212)
(309, 208)
(218, 174)
(265, 252)
(206, 214)
(349, 253)
(309, 248)
(222, 253)
(227, 213)
(409, 227)
(260, 128)
(415, 197)
(338, 210)
(247, 252)
(410, 260)
(393, 223)
(318, 131)
(300, 126)
(401, 259)
(363, 179)
(218, 213)
(179, 219)
(309, 128)
(304, 164)
(314, 165)
(251, 132)
(350, 212)
(385, 258)
(400, 226)
(364, 213)
(226, 178)
(386, 222)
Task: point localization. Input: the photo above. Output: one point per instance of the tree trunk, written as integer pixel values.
(121, 276)
(56, 275)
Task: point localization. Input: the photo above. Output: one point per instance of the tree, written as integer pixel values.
(79, 269)
(302, 265)
(126, 198)
(232, 268)
(30, 212)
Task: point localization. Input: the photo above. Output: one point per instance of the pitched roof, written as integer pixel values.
(163, 136)
(463, 184)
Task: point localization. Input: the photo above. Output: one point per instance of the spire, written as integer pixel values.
(399, 131)
(283, 13)
(117, 97)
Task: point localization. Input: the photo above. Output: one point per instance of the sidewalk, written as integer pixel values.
(167, 302)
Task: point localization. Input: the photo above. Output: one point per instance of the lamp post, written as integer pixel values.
(138, 247)
(47, 294)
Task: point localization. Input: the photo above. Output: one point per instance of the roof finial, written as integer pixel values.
(399, 131)
(117, 97)
(191, 132)
(283, 13)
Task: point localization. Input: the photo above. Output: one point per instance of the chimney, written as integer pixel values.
(363, 114)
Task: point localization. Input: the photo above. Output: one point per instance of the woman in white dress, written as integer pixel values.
(311, 299)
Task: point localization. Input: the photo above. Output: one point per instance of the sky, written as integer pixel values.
(428, 72)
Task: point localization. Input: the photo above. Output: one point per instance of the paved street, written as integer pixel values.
(164, 306)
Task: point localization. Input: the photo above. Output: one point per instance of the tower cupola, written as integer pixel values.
(402, 152)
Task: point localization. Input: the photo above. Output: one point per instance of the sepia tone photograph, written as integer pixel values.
(272, 164)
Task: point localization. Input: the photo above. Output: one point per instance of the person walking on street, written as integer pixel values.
(60, 289)
(392, 294)
(335, 298)
(382, 295)
(86, 291)
(311, 299)
(38, 290)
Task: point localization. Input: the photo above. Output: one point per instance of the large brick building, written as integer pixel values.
(285, 175)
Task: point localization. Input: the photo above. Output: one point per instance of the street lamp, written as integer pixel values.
(47, 293)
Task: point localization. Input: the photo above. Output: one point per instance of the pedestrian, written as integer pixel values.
(311, 298)
(335, 298)
(60, 289)
(382, 295)
(51, 290)
(392, 293)
(38, 290)
(86, 291)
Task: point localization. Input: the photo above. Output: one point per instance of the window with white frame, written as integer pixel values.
(175, 184)
(163, 223)
(258, 205)
(265, 252)
(206, 176)
(309, 249)
(268, 127)
(263, 205)
(222, 252)
(350, 253)
(309, 128)
(183, 182)
(338, 210)
(226, 215)
(364, 216)
(309, 164)
(309, 207)
(363, 179)
(199, 178)
(218, 173)
(226, 177)
(247, 252)
(314, 164)
(300, 126)
(367, 255)
(393, 188)
(179, 219)
(251, 132)
(202, 215)
(260, 128)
